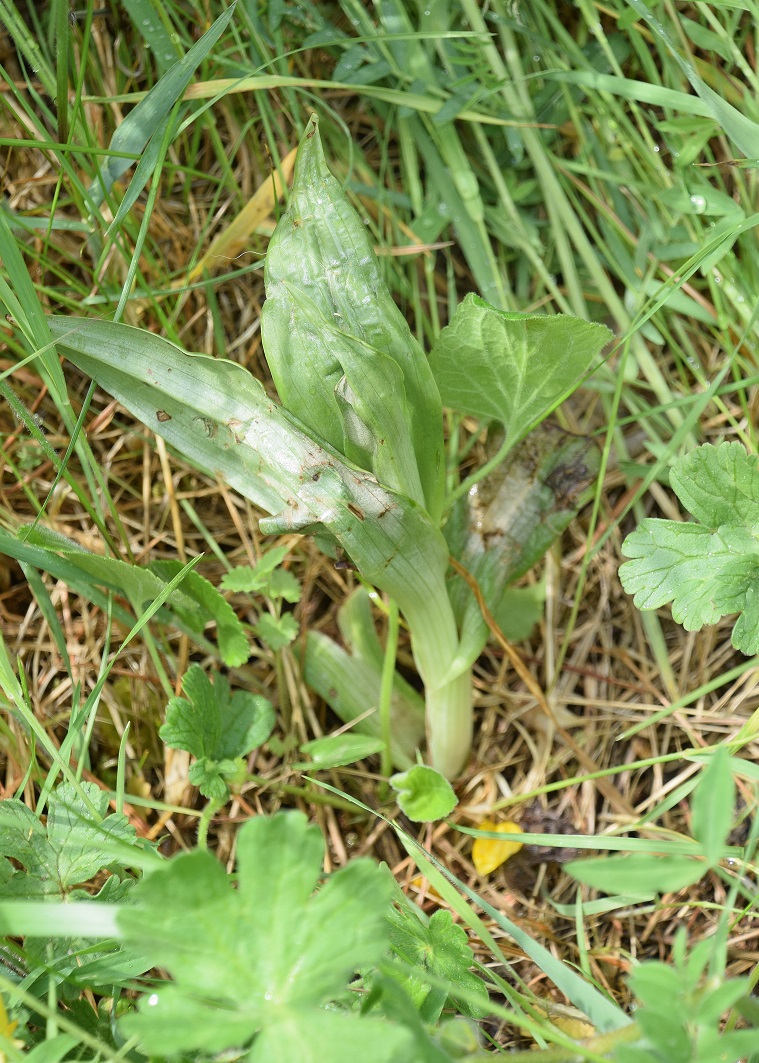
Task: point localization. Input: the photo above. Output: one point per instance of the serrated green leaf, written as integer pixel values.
(276, 631)
(707, 570)
(339, 1038)
(241, 580)
(68, 850)
(423, 793)
(261, 959)
(441, 948)
(266, 577)
(77, 963)
(718, 484)
(214, 777)
(215, 727)
(283, 584)
(509, 367)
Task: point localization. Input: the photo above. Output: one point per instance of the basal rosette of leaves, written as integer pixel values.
(355, 454)
(707, 568)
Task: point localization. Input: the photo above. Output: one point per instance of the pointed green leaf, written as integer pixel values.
(641, 875)
(423, 794)
(337, 750)
(510, 367)
(350, 682)
(321, 251)
(713, 806)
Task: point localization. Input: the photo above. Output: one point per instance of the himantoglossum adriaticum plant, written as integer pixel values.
(355, 454)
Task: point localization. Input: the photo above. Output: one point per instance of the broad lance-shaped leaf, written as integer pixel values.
(41, 546)
(371, 398)
(706, 570)
(510, 367)
(219, 417)
(350, 682)
(321, 250)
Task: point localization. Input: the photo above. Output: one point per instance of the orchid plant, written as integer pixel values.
(355, 451)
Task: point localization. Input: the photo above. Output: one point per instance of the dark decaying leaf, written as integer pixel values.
(512, 517)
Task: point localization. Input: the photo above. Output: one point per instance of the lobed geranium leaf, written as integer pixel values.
(710, 569)
(254, 966)
(266, 577)
(276, 631)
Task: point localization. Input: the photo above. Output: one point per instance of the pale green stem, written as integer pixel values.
(449, 724)
(386, 688)
(448, 701)
(206, 816)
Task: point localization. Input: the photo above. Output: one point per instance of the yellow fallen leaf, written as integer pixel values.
(574, 1028)
(489, 853)
(568, 1020)
(419, 882)
(232, 240)
(7, 1030)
